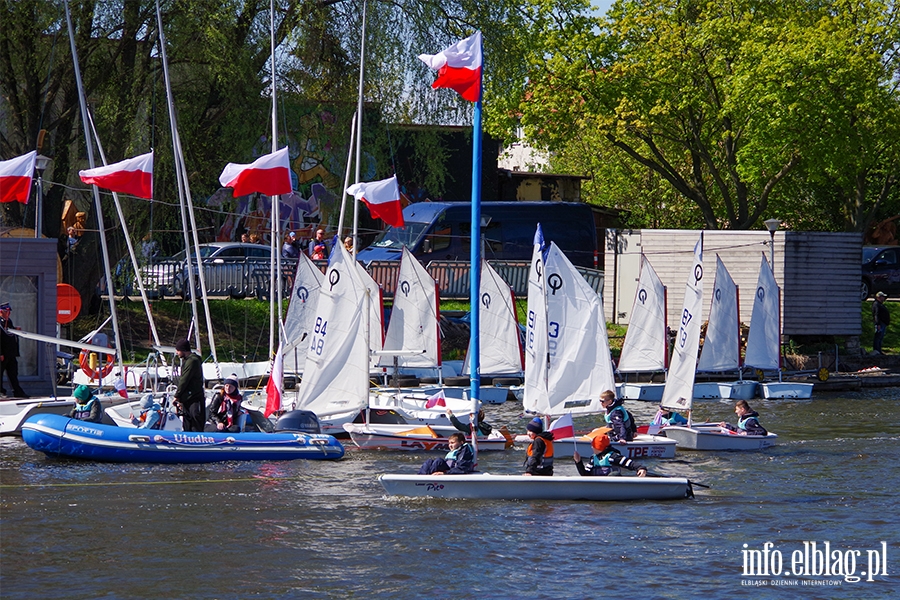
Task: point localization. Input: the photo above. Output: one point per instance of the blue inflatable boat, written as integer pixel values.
(56, 435)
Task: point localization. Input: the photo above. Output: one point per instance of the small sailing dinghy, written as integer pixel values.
(678, 394)
(428, 438)
(60, 436)
(484, 486)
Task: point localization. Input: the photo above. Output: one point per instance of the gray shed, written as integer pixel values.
(819, 274)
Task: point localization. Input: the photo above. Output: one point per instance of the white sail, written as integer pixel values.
(414, 324)
(679, 390)
(580, 366)
(764, 340)
(336, 371)
(302, 309)
(722, 345)
(501, 350)
(375, 321)
(535, 397)
(644, 348)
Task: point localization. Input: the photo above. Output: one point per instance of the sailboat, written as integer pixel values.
(645, 348)
(722, 345)
(764, 340)
(678, 394)
(579, 365)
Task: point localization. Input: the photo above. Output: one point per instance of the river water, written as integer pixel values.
(306, 529)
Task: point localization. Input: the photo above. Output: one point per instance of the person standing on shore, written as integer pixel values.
(189, 395)
(882, 318)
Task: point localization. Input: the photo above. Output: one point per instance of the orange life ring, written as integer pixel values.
(100, 372)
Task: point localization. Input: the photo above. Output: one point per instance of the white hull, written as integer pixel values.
(717, 438)
(396, 437)
(785, 389)
(648, 392)
(487, 394)
(726, 390)
(519, 487)
(643, 446)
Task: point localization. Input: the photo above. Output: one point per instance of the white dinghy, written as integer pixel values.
(764, 339)
(369, 436)
(645, 349)
(722, 345)
(483, 486)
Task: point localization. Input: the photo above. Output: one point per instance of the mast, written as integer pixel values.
(359, 118)
(96, 192)
(475, 247)
(275, 292)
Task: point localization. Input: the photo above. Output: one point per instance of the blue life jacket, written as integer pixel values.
(626, 418)
(83, 411)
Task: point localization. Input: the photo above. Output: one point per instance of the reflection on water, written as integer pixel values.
(298, 529)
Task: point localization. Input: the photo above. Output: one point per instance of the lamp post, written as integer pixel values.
(772, 226)
(41, 162)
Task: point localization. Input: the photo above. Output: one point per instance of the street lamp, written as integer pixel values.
(772, 226)
(41, 162)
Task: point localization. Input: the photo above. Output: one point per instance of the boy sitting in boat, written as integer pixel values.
(667, 416)
(606, 461)
(459, 461)
(87, 406)
(225, 408)
(621, 422)
(149, 415)
(748, 422)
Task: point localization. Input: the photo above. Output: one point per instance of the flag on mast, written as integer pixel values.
(459, 67)
(382, 198)
(269, 175)
(15, 177)
(273, 388)
(131, 176)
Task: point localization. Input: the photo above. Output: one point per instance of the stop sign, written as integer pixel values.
(68, 303)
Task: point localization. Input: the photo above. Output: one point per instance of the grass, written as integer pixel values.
(242, 328)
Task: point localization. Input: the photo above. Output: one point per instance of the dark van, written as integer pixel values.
(442, 231)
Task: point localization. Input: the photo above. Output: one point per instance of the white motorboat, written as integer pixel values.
(417, 439)
(484, 486)
(717, 438)
(725, 390)
(646, 392)
(785, 389)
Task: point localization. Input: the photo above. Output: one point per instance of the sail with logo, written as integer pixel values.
(536, 392)
(500, 347)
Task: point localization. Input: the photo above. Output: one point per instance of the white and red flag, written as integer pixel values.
(15, 178)
(458, 67)
(273, 388)
(131, 176)
(269, 175)
(562, 427)
(382, 198)
(119, 386)
(436, 400)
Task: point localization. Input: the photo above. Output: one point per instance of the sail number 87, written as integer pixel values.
(686, 317)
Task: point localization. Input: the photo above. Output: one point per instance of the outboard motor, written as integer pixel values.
(304, 421)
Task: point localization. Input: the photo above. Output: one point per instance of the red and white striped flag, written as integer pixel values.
(119, 386)
(15, 178)
(562, 427)
(459, 67)
(382, 198)
(273, 388)
(436, 400)
(269, 175)
(131, 176)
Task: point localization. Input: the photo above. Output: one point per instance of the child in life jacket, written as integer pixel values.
(748, 420)
(459, 461)
(606, 461)
(225, 408)
(87, 405)
(539, 456)
(149, 415)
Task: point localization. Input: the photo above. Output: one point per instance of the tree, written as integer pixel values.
(725, 101)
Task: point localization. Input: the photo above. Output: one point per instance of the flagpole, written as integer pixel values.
(359, 118)
(275, 289)
(475, 249)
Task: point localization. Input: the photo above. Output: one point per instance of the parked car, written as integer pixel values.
(880, 270)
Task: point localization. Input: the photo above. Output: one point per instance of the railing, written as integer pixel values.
(251, 277)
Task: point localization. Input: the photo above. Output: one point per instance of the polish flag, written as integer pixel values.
(131, 176)
(562, 427)
(382, 198)
(458, 67)
(273, 388)
(269, 175)
(119, 386)
(15, 178)
(436, 400)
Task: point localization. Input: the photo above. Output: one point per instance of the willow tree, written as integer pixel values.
(725, 101)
